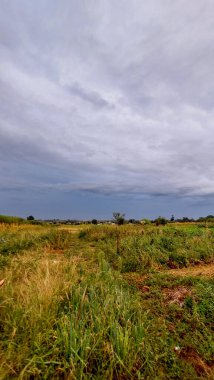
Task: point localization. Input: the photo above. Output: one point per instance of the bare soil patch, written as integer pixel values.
(202, 367)
(136, 280)
(176, 295)
(55, 251)
(205, 270)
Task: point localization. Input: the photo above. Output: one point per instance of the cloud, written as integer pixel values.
(112, 99)
(89, 96)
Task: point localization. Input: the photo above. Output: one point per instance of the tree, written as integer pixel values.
(186, 219)
(132, 221)
(31, 217)
(160, 221)
(94, 221)
(172, 218)
(118, 218)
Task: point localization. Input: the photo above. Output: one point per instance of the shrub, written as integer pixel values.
(94, 221)
(160, 221)
(82, 234)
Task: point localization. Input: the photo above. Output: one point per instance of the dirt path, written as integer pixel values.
(71, 230)
(203, 270)
(206, 270)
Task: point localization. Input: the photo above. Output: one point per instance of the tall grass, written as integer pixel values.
(67, 320)
(130, 248)
(67, 313)
(15, 239)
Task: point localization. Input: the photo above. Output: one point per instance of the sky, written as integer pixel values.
(106, 106)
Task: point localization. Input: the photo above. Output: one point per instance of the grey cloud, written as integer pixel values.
(90, 96)
(113, 99)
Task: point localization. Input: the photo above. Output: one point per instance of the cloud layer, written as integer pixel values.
(107, 97)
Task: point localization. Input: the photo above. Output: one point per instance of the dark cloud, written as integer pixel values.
(112, 99)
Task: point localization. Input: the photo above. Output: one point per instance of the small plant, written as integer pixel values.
(82, 234)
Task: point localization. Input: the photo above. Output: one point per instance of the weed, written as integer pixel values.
(102, 303)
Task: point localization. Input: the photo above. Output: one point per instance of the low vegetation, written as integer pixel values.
(10, 219)
(101, 302)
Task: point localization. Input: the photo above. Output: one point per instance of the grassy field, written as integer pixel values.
(107, 302)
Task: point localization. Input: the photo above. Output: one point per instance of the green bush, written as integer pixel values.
(82, 234)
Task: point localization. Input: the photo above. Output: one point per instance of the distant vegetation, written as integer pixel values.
(16, 219)
(10, 219)
(30, 217)
(119, 219)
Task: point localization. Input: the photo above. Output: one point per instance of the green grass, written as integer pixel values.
(136, 248)
(10, 219)
(96, 304)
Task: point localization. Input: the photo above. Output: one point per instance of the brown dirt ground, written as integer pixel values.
(53, 251)
(176, 295)
(202, 367)
(205, 270)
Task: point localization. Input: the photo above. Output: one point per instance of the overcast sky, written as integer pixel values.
(106, 106)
